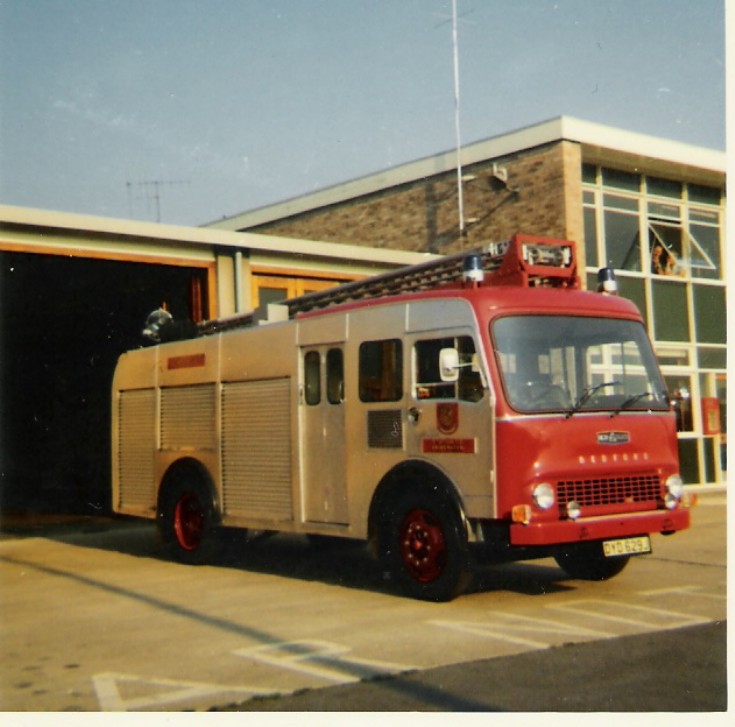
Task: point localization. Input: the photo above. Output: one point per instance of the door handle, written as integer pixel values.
(413, 415)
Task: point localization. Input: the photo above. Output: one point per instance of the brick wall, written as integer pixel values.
(542, 197)
(574, 213)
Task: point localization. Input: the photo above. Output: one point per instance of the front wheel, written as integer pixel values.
(424, 548)
(587, 561)
(186, 522)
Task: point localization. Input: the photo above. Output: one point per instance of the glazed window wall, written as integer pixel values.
(665, 238)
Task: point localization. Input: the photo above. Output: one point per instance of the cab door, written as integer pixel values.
(323, 484)
(450, 414)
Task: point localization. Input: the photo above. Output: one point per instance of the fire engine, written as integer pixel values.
(470, 410)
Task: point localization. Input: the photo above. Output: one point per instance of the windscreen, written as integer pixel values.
(572, 363)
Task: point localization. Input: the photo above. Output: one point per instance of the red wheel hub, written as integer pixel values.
(422, 545)
(188, 522)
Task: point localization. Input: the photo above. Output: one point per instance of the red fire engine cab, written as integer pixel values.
(470, 410)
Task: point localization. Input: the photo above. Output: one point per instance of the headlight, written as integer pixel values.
(543, 496)
(675, 485)
(573, 510)
(674, 491)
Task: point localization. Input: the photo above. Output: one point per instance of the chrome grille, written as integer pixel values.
(610, 490)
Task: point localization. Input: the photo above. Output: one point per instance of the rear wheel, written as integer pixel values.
(186, 521)
(424, 548)
(586, 561)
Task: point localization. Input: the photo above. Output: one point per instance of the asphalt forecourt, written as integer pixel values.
(94, 619)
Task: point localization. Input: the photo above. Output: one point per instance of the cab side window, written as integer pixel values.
(428, 383)
(312, 378)
(381, 370)
(335, 376)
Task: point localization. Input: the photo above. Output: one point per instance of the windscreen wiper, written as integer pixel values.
(587, 394)
(630, 401)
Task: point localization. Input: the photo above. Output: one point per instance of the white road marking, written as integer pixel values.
(158, 692)
(329, 661)
(693, 591)
(503, 624)
(628, 613)
(542, 632)
(321, 659)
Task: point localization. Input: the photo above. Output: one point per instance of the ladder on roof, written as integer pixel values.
(523, 261)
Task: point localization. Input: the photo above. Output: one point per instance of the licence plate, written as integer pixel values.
(626, 546)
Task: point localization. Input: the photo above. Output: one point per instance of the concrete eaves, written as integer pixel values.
(48, 224)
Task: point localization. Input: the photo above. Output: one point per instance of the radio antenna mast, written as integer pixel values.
(458, 140)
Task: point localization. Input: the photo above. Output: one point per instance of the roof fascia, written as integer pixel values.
(553, 130)
(106, 227)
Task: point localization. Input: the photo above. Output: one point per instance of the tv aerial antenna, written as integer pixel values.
(151, 193)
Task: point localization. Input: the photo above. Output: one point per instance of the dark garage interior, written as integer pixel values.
(64, 322)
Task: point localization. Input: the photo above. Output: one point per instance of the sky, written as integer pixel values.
(187, 111)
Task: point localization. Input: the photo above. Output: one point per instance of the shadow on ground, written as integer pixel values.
(332, 561)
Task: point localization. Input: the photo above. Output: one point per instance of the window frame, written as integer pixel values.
(377, 383)
(469, 386)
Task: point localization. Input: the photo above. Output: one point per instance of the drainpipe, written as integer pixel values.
(238, 282)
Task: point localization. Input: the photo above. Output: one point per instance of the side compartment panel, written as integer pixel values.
(256, 449)
(188, 418)
(136, 450)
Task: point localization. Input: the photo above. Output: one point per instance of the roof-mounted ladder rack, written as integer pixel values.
(524, 260)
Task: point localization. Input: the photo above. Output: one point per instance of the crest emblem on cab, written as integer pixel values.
(447, 417)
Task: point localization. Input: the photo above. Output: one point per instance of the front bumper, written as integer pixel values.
(599, 528)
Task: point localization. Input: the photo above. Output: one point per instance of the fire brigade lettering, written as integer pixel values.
(437, 445)
(192, 361)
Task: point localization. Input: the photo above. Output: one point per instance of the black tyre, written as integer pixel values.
(586, 561)
(186, 520)
(423, 546)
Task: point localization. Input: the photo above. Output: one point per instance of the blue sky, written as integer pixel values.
(234, 104)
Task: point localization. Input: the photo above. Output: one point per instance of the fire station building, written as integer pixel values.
(650, 208)
(75, 290)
